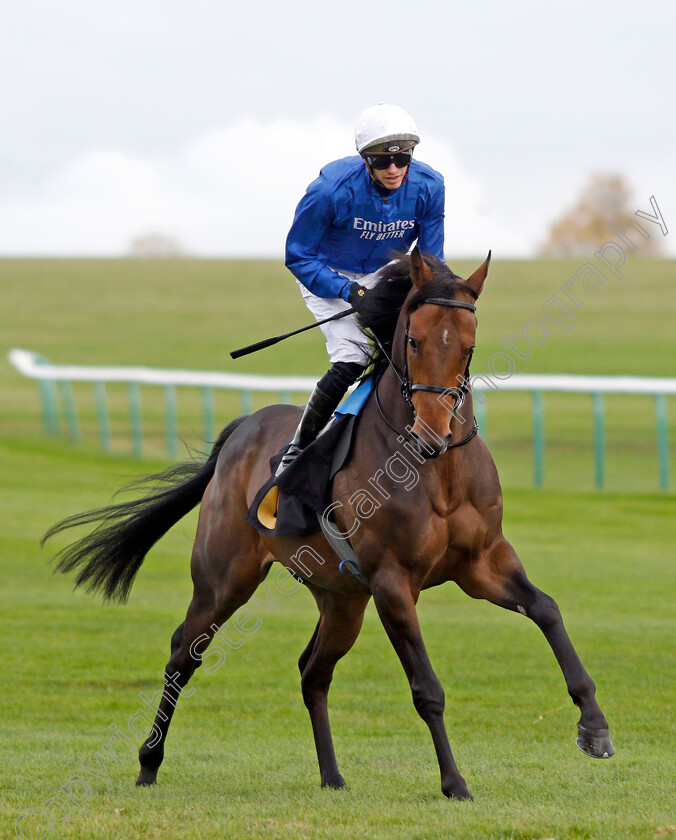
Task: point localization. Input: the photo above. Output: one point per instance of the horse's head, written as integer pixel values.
(436, 334)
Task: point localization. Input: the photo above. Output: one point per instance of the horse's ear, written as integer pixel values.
(421, 273)
(476, 281)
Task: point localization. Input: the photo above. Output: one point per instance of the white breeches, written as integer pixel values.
(345, 342)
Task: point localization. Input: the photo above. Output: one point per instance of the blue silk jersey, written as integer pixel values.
(344, 222)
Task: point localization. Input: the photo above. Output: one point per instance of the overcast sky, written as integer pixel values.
(206, 120)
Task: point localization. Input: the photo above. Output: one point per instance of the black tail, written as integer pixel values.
(108, 559)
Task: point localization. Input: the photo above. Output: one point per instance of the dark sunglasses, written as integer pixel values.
(399, 159)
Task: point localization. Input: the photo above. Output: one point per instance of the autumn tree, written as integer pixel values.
(602, 209)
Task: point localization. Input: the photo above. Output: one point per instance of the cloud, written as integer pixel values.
(128, 20)
(231, 192)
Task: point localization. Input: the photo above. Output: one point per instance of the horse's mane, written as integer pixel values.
(380, 311)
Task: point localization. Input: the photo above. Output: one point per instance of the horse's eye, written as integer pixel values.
(413, 344)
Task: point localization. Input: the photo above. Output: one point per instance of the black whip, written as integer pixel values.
(268, 342)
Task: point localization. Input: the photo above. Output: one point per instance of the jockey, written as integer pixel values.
(351, 219)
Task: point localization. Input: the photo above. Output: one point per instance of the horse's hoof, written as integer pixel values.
(466, 796)
(336, 783)
(146, 778)
(457, 791)
(595, 742)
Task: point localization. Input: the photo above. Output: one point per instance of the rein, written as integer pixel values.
(407, 387)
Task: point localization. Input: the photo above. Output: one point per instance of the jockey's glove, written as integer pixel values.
(357, 295)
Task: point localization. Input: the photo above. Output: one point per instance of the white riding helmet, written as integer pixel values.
(385, 128)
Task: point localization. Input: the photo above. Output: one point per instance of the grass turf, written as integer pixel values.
(240, 759)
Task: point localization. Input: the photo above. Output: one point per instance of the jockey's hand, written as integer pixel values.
(357, 295)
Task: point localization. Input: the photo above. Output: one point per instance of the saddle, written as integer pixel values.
(291, 503)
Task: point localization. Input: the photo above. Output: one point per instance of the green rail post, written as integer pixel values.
(50, 407)
(172, 424)
(135, 417)
(247, 401)
(208, 411)
(102, 412)
(538, 438)
(69, 411)
(662, 440)
(284, 397)
(599, 443)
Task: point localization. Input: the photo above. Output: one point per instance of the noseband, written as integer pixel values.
(408, 387)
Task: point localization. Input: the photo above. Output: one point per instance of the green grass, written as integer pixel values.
(240, 758)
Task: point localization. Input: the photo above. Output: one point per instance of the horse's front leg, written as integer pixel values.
(338, 628)
(500, 578)
(395, 603)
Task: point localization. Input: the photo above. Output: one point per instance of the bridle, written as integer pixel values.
(407, 387)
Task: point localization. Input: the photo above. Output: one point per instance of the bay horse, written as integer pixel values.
(438, 522)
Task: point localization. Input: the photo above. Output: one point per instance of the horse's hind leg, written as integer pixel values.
(500, 578)
(214, 601)
(338, 627)
(304, 658)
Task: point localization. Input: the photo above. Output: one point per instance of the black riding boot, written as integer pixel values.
(323, 401)
(317, 412)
